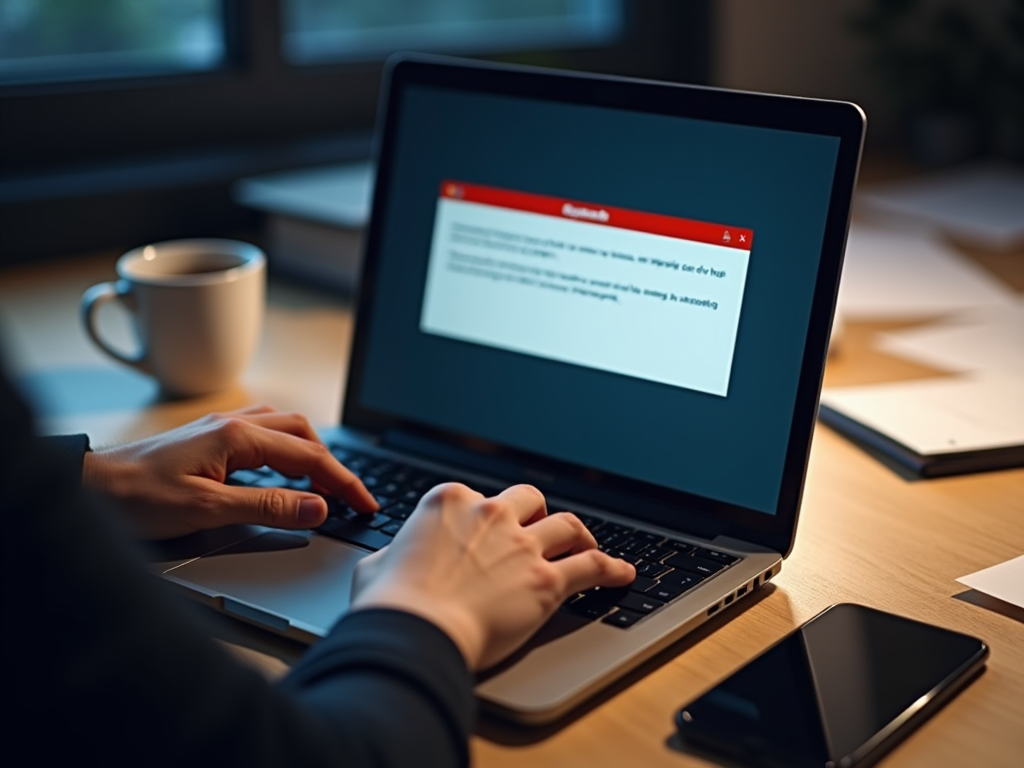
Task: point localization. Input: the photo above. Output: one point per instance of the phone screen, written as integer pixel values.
(840, 689)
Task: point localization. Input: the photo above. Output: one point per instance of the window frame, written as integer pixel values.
(198, 132)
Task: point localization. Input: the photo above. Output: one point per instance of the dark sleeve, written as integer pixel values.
(106, 665)
(72, 449)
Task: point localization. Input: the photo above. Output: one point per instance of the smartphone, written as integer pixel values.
(840, 691)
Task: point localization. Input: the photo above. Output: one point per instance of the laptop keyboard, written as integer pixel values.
(666, 568)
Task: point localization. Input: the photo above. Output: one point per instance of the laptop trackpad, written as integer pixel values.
(295, 575)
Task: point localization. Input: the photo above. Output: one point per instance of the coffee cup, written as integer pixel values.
(197, 307)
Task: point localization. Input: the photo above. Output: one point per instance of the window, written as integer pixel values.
(127, 121)
(318, 31)
(68, 40)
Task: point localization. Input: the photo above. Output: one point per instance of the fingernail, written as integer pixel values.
(310, 511)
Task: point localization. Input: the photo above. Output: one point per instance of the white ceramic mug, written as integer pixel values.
(197, 307)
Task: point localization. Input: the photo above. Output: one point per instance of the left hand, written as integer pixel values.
(172, 484)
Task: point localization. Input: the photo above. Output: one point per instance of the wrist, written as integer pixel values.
(90, 472)
(97, 473)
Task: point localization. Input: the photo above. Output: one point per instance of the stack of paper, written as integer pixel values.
(940, 426)
(898, 273)
(316, 218)
(333, 194)
(939, 415)
(982, 205)
(983, 340)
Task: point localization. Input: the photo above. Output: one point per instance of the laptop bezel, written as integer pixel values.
(644, 501)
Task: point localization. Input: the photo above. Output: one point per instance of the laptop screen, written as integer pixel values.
(620, 289)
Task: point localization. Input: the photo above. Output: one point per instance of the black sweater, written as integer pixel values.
(105, 665)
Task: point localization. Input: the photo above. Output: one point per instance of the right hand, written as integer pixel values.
(481, 569)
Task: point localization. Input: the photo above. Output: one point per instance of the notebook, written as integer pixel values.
(616, 290)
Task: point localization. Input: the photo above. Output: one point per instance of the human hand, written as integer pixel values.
(172, 484)
(482, 569)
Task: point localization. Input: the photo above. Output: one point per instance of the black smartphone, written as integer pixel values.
(838, 692)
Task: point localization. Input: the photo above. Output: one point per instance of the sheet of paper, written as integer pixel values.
(980, 204)
(1004, 581)
(938, 416)
(904, 273)
(989, 339)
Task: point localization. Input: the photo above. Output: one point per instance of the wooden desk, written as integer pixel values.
(866, 535)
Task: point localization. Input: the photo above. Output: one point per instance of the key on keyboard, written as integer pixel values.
(666, 569)
(396, 487)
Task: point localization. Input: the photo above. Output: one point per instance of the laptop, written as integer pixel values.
(616, 290)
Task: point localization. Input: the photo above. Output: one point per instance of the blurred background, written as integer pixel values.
(128, 121)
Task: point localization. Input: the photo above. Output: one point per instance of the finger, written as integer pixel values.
(273, 507)
(562, 532)
(594, 568)
(289, 423)
(250, 445)
(526, 501)
(252, 409)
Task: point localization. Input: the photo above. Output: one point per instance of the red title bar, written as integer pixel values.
(605, 215)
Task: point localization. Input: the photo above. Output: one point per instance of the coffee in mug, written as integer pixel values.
(197, 307)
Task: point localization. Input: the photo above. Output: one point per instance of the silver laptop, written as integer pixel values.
(618, 291)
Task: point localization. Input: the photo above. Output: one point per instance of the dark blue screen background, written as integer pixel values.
(776, 183)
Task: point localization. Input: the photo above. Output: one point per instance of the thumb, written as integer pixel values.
(273, 507)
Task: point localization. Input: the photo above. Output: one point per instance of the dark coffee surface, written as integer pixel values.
(200, 269)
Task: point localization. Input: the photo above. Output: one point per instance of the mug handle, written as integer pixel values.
(94, 298)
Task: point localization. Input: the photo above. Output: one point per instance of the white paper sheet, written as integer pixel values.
(909, 273)
(980, 204)
(939, 416)
(989, 339)
(1004, 581)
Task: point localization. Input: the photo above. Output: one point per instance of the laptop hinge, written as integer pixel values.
(445, 453)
